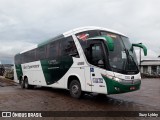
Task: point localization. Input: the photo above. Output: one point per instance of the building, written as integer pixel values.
(150, 67)
(4, 68)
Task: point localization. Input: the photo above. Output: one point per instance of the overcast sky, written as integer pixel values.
(24, 23)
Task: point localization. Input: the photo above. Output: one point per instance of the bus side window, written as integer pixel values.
(69, 47)
(25, 55)
(41, 53)
(18, 59)
(97, 55)
(53, 50)
(31, 56)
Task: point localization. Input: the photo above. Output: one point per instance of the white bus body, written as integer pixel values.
(81, 60)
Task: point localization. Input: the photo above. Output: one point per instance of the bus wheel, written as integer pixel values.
(26, 84)
(22, 84)
(75, 89)
(20, 81)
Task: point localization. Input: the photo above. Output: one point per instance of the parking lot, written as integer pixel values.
(13, 98)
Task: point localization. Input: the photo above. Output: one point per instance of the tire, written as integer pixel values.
(75, 89)
(27, 85)
(22, 83)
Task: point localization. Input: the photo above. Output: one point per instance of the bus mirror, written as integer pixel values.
(109, 42)
(141, 46)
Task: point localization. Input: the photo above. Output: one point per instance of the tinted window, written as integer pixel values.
(83, 36)
(31, 56)
(25, 57)
(122, 59)
(97, 55)
(41, 53)
(87, 34)
(18, 59)
(69, 47)
(53, 49)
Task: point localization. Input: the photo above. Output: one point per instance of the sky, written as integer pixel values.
(24, 23)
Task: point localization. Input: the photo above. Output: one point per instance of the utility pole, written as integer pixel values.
(140, 58)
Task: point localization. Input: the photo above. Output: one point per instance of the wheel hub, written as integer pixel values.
(75, 89)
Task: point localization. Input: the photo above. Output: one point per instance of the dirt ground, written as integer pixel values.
(13, 98)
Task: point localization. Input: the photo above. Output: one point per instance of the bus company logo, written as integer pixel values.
(30, 66)
(52, 62)
(6, 114)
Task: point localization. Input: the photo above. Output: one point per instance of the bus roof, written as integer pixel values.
(81, 29)
(70, 32)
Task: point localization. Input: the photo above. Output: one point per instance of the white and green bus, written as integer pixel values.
(87, 59)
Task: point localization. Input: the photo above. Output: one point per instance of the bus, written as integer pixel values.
(83, 60)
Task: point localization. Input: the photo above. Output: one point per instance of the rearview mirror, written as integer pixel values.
(141, 46)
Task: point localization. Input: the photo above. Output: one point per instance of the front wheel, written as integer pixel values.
(75, 89)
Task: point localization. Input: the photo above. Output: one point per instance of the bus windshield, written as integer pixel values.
(122, 59)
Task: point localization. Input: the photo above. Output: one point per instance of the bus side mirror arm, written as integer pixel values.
(140, 46)
(109, 42)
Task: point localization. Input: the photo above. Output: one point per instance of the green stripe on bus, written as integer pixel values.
(54, 70)
(19, 71)
(112, 85)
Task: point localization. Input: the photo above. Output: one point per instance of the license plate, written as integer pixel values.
(132, 88)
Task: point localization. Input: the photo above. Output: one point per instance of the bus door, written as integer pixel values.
(96, 58)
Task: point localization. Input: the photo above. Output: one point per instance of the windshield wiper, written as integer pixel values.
(130, 59)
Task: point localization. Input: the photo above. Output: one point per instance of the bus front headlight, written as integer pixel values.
(117, 79)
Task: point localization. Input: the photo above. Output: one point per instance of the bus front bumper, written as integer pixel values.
(114, 87)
